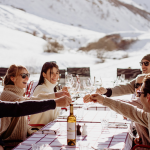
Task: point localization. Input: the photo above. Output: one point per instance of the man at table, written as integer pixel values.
(129, 87)
(141, 116)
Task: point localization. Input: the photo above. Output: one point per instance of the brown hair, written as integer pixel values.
(12, 71)
(146, 88)
(147, 57)
(46, 66)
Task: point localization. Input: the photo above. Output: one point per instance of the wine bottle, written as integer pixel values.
(71, 128)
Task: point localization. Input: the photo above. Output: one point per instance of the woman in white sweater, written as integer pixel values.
(47, 82)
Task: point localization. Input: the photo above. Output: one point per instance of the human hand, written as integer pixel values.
(63, 93)
(86, 98)
(65, 89)
(63, 101)
(101, 90)
(1, 148)
(97, 98)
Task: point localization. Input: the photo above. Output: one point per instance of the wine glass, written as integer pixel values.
(68, 79)
(122, 77)
(88, 88)
(98, 83)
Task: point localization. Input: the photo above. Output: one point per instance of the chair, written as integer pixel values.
(129, 73)
(30, 88)
(140, 145)
(83, 72)
(29, 91)
(62, 76)
(2, 73)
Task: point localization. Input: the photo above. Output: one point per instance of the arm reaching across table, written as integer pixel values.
(122, 89)
(23, 108)
(123, 108)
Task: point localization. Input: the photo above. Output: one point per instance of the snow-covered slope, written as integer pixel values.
(27, 53)
(70, 36)
(73, 23)
(17, 47)
(142, 4)
(98, 15)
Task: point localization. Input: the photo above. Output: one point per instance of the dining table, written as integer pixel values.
(54, 134)
(117, 135)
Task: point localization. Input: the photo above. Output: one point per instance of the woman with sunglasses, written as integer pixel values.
(20, 108)
(47, 84)
(15, 81)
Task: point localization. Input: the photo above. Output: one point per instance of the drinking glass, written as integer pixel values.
(117, 81)
(123, 77)
(84, 145)
(72, 92)
(37, 146)
(87, 86)
(104, 125)
(68, 79)
(113, 114)
(47, 147)
(41, 147)
(80, 112)
(98, 83)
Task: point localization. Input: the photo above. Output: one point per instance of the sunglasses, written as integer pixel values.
(139, 93)
(146, 63)
(137, 85)
(24, 75)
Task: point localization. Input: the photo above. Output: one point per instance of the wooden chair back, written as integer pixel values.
(129, 73)
(83, 72)
(62, 76)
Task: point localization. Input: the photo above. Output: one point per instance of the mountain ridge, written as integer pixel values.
(98, 15)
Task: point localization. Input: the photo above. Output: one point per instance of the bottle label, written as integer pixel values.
(70, 130)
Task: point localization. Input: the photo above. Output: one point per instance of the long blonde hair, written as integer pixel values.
(12, 71)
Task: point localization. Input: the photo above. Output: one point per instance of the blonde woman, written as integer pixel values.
(15, 81)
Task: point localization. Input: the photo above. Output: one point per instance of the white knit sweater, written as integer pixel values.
(50, 115)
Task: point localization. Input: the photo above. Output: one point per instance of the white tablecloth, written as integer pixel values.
(116, 138)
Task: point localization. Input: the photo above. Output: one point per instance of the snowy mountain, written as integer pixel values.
(142, 4)
(73, 23)
(70, 36)
(98, 15)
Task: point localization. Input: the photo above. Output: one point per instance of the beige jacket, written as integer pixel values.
(142, 131)
(138, 115)
(124, 89)
(50, 115)
(13, 93)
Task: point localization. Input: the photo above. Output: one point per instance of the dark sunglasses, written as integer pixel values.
(137, 85)
(24, 75)
(146, 63)
(139, 93)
